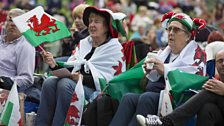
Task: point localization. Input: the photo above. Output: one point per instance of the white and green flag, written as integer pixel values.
(38, 27)
(11, 115)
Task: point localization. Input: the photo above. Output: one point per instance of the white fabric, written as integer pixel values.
(102, 61)
(183, 62)
(79, 90)
(15, 115)
(185, 17)
(212, 48)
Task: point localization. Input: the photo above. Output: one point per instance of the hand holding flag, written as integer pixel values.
(48, 58)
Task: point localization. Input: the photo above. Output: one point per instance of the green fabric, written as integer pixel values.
(52, 37)
(182, 81)
(126, 82)
(117, 25)
(184, 22)
(66, 124)
(103, 84)
(60, 63)
(7, 114)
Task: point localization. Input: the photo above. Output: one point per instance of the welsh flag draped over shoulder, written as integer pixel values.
(38, 27)
(11, 115)
(106, 62)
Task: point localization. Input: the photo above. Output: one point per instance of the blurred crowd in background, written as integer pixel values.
(143, 16)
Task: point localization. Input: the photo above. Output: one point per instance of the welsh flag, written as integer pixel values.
(125, 82)
(74, 115)
(182, 81)
(130, 54)
(11, 115)
(38, 27)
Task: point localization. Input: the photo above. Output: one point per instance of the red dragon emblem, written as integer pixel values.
(46, 25)
(73, 112)
(118, 68)
(199, 57)
(180, 17)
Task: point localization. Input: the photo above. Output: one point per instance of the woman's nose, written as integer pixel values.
(171, 32)
(91, 23)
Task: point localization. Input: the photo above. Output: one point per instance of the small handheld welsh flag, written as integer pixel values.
(74, 114)
(11, 115)
(38, 27)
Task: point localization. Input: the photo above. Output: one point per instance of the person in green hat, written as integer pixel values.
(208, 104)
(182, 53)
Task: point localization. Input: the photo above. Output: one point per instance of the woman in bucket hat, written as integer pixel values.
(98, 56)
(182, 53)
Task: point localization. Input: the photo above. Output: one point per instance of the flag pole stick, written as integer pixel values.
(41, 48)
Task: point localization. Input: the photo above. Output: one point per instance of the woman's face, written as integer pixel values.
(79, 22)
(152, 36)
(97, 26)
(178, 36)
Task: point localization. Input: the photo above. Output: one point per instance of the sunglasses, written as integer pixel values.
(175, 29)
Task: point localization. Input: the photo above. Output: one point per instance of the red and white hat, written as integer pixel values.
(192, 24)
(112, 19)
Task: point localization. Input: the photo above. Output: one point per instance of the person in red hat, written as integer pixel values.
(98, 56)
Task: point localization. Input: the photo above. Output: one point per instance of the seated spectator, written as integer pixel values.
(140, 18)
(208, 104)
(211, 49)
(17, 60)
(79, 32)
(139, 33)
(179, 54)
(215, 44)
(99, 54)
(215, 36)
(153, 39)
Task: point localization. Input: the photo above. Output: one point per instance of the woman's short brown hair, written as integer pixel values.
(215, 36)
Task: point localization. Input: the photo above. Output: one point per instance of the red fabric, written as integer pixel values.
(129, 53)
(72, 112)
(3, 15)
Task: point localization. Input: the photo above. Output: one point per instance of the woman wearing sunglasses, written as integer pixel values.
(182, 53)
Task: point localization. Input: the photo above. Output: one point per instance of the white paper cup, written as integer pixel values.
(30, 118)
(150, 55)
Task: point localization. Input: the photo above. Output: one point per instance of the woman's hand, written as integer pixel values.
(48, 59)
(75, 76)
(146, 69)
(157, 65)
(214, 86)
